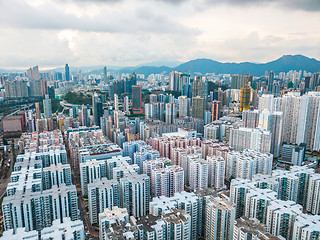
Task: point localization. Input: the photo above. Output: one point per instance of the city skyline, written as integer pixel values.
(126, 33)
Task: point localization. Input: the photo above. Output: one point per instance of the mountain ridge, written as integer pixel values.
(204, 65)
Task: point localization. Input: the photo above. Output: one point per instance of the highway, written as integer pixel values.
(22, 107)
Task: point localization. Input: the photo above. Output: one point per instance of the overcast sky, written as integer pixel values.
(50, 33)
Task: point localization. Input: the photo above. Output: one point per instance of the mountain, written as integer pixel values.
(283, 64)
(171, 64)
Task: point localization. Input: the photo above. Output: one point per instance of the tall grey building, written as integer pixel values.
(47, 107)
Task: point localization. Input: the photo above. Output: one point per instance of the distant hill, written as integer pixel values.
(283, 64)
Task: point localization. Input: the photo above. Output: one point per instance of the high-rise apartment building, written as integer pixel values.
(250, 118)
(253, 138)
(126, 104)
(184, 106)
(308, 130)
(35, 89)
(266, 101)
(102, 194)
(174, 80)
(215, 110)
(219, 219)
(136, 99)
(171, 112)
(190, 202)
(238, 81)
(248, 163)
(272, 121)
(115, 224)
(89, 172)
(217, 167)
(314, 82)
(198, 174)
(200, 88)
(135, 194)
(167, 181)
(248, 228)
(198, 106)
(290, 109)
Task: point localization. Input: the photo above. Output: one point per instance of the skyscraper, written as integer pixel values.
(105, 77)
(44, 87)
(215, 110)
(67, 72)
(126, 104)
(137, 99)
(270, 81)
(37, 110)
(47, 107)
(97, 108)
(116, 102)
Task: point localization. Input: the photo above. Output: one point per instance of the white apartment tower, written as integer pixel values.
(220, 216)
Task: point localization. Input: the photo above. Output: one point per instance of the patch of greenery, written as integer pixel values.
(290, 84)
(254, 85)
(212, 86)
(176, 94)
(78, 98)
(55, 103)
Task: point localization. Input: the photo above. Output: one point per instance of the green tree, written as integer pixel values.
(290, 84)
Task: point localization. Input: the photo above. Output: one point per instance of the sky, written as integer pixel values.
(50, 33)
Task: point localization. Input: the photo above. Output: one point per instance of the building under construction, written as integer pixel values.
(245, 96)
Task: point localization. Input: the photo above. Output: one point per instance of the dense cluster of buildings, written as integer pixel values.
(205, 164)
(41, 195)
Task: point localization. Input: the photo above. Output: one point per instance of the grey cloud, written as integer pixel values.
(50, 17)
(306, 5)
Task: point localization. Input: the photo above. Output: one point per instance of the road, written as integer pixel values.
(25, 106)
(94, 235)
(85, 217)
(66, 104)
(4, 182)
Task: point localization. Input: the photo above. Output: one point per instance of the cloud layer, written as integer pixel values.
(130, 32)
